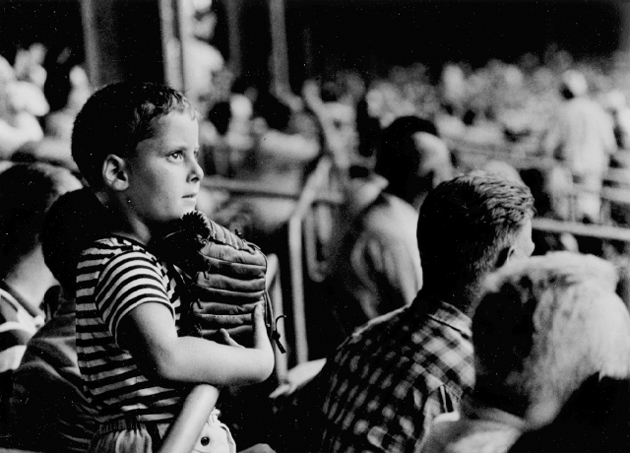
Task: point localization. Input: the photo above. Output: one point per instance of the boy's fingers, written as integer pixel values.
(219, 321)
(216, 335)
(228, 339)
(218, 308)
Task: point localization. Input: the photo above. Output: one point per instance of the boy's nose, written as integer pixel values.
(196, 170)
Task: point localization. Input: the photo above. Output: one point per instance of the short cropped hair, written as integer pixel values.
(27, 190)
(544, 325)
(465, 222)
(118, 117)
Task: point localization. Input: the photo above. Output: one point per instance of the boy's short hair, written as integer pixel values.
(118, 117)
(27, 190)
(547, 323)
(466, 221)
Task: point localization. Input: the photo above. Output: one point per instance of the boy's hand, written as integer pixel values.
(214, 316)
(228, 340)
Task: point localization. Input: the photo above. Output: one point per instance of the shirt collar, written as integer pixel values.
(443, 313)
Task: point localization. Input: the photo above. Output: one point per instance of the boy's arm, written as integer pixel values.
(149, 334)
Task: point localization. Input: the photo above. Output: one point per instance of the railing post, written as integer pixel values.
(185, 430)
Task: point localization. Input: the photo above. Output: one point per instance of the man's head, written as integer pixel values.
(542, 327)
(469, 226)
(413, 158)
(26, 193)
(115, 119)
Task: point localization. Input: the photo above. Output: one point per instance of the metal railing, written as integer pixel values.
(317, 183)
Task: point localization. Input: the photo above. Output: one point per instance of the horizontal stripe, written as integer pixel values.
(114, 277)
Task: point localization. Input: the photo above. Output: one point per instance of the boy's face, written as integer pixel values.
(164, 176)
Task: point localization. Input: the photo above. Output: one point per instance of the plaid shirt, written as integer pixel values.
(387, 382)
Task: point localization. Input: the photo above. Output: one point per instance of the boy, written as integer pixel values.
(136, 144)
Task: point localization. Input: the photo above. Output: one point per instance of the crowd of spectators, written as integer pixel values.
(393, 143)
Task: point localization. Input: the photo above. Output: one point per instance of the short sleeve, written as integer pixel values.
(127, 281)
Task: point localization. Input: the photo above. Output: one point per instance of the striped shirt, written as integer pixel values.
(115, 276)
(386, 383)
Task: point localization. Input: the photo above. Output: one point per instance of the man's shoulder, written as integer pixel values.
(378, 326)
(388, 211)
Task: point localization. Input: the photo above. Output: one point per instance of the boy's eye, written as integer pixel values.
(177, 155)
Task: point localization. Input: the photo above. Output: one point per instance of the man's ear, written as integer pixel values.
(115, 172)
(504, 256)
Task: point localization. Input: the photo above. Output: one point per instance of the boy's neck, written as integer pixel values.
(125, 222)
(135, 231)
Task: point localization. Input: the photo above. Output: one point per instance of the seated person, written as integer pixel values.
(382, 387)
(542, 328)
(375, 267)
(49, 410)
(26, 193)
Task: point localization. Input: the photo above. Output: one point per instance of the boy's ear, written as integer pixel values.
(115, 173)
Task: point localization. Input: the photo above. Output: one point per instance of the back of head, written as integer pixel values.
(464, 227)
(395, 137)
(26, 193)
(73, 222)
(116, 118)
(543, 326)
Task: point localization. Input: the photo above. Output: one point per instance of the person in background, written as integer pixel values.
(375, 267)
(542, 328)
(413, 159)
(382, 387)
(48, 409)
(26, 193)
(21, 103)
(582, 139)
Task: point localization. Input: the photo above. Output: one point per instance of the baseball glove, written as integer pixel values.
(223, 277)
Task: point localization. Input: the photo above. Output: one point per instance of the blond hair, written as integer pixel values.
(544, 325)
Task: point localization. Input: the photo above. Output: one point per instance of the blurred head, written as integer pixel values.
(502, 168)
(118, 117)
(73, 222)
(26, 193)
(469, 226)
(573, 84)
(412, 157)
(542, 327)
